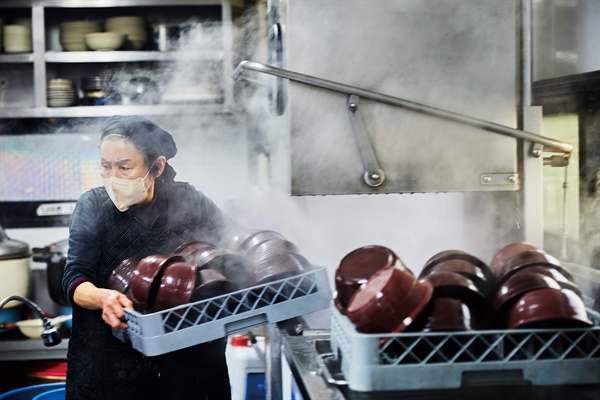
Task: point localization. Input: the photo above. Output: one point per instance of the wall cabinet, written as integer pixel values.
(190, 75)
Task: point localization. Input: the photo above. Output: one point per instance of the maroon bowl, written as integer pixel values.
(120, 278)
(256, 238)
(212, 283)
(485, 284)
(447, 255)
(357, 267)
(456, 286)
(444, 314)
(388, 302)
(272, 246)
(506, 252)
(512, 289)
(276, 267)
(560, 275)
(232, 265)
(527, 259)
(549, 308)
(176, 285)
(189, 249)
(146, 278)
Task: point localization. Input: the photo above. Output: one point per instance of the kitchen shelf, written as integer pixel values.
(108, 111)
(131, 56)
(48, 61)
(16, 58)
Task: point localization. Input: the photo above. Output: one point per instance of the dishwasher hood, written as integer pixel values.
(394, 96)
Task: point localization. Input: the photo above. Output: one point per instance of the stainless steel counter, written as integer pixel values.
(303, 354)
(30, 349)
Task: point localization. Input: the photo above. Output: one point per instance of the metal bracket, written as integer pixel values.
(499, 179)
(557, 161)
(373, 175)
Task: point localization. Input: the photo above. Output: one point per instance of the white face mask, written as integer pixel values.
(125, 192)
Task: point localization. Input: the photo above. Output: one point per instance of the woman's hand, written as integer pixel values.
(113, 303)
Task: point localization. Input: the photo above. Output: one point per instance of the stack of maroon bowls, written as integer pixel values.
(462, 287)
(534, 290)
(151, 281)
(377, 292)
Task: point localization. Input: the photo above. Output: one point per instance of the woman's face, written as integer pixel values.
(120, 158)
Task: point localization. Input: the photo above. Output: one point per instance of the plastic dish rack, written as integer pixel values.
(194, 323)
(406, 361)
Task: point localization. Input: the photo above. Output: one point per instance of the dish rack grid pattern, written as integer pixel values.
(206, 320)
(453, 360)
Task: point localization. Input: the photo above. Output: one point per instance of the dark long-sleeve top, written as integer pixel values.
(100, 238)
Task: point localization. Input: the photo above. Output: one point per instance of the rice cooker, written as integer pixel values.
(15, 275)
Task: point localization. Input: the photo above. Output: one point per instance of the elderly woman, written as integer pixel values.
(140, 211)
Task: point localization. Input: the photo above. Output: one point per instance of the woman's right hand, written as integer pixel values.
(113, 303)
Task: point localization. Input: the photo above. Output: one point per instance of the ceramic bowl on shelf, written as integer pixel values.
(105, 41)
(33, 328)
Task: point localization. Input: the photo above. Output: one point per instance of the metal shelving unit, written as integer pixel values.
(43, 59)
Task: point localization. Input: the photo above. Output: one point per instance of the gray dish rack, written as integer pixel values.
(407, 361)
(199, 322)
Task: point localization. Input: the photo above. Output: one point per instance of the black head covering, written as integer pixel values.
(142, 132)
(147, 136)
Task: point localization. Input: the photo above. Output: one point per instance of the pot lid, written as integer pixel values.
(10, 248)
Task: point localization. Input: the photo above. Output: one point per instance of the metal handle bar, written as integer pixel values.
(406, 104)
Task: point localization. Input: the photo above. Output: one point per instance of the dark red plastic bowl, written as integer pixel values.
(485, 283)
(176, 285)
(512, 289)
(527, 259)
(444, 314)
(388, 302)
(145, 280)
(212, 283)
(549, 308)
(506, 252)
(456, 286)
(357, 267)
(448, 255)
(120, 278)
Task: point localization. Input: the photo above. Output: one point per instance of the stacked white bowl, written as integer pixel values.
(16, 37)
(133, 27)
(72, 34)
(61, 93)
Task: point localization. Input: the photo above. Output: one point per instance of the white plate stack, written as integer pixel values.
(16, 38)
(72, 34)
(61, 93)
(133, 27)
